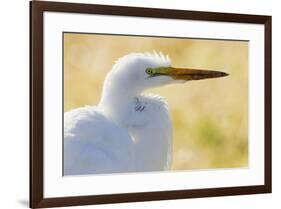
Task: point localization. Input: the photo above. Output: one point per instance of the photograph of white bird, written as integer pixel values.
(128, 131)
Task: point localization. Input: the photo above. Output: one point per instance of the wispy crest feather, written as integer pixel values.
(159, 56)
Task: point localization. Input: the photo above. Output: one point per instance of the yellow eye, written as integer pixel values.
(149, 71)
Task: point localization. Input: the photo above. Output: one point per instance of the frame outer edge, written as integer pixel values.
(268, 104)
(36, 104)
(150, 12)
(30, 105)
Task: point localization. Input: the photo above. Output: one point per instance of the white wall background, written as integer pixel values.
(14, 109)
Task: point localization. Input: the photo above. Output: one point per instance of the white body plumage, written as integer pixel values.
(128, 131)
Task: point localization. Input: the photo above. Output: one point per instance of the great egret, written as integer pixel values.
(128, 131)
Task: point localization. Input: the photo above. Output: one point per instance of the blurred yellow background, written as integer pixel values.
(210, 117)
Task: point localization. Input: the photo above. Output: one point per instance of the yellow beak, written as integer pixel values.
(185, 73)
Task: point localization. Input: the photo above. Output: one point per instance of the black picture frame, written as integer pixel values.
(37, 8)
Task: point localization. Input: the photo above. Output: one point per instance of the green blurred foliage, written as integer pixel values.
(210, 117)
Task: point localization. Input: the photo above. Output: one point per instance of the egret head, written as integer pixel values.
(137, 72)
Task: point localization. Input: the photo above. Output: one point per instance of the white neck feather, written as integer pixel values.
(117, 101)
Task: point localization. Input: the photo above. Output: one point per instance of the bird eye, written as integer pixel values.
(149, 71)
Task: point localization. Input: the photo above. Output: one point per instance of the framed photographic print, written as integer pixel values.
(138, 104)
